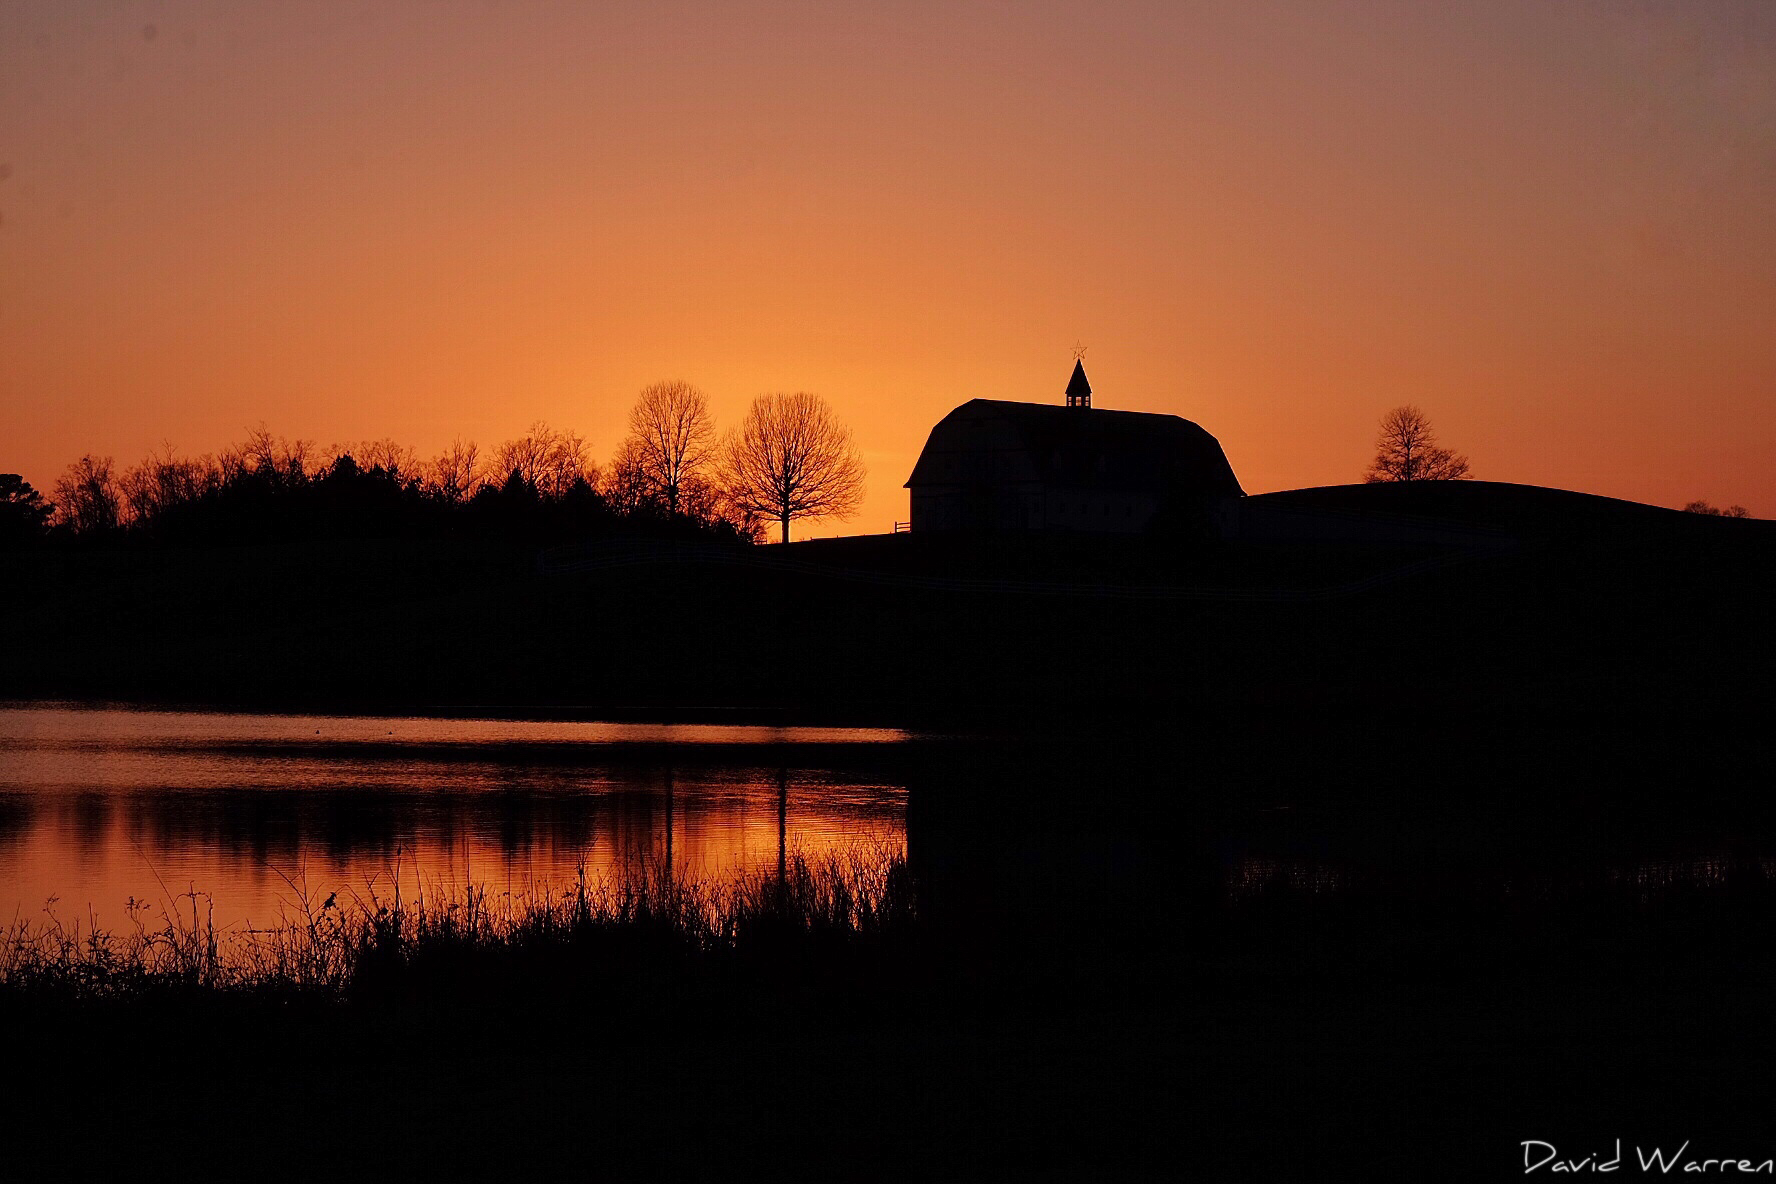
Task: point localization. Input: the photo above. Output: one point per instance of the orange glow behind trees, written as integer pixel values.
(1548, 222)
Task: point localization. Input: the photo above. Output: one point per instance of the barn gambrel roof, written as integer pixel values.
(1079, 448)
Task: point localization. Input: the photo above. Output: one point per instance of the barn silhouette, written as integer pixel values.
(1002, 466)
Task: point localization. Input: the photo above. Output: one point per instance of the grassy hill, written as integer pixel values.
(1528, 510)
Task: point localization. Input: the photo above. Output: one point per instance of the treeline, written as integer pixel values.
(539, 487)
(670, 476)
(1702, 507)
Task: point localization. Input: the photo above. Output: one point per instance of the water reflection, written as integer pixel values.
(1016, 835)
(100, 806)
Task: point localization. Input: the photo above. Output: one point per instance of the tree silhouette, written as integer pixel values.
(671, 440)
(625, 487)
(87, 499)
(549, 461)
(456, 472)
(270, 489)
(23, 512)
(793, 459)
(1702, 507)
(394, 460)
(272, 462)
(1406, 450)
(161, 482)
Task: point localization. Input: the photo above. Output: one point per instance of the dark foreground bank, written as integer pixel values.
(1386, 954)
(1265, 1056)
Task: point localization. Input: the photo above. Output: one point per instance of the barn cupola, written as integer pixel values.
(1079, 391)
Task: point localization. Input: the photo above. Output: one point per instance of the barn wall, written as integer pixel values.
(978, 507)
(977, 472)
(1031, 508)
(1099, 511)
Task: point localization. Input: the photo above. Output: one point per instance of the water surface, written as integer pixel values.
(102, 806)
(99, 807)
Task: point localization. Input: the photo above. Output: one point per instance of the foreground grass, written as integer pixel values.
(449, 937)
(819, 1024)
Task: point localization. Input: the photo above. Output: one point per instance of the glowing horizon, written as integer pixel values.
(1545, 224)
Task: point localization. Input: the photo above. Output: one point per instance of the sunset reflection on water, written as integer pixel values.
(98, 807)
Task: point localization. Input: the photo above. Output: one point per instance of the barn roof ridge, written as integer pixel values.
(1058, 409)
(1150, 448)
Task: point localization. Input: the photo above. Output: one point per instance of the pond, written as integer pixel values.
(102, 806)
(1049, 833)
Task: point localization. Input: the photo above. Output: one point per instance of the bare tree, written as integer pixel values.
(398, 461)
(163, 481)
(701, 496)
(456, 471)
(626, 488)
(1406, 450)
(277, 461)
(1702, 507)
(86, 496)
(549, 461)
(704, 500)
(791, 459)
(671, 440)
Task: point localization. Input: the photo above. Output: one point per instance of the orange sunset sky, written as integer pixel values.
(1550, 224)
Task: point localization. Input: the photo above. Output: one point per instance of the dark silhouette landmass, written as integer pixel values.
(1427, 596)
(1409, 822)
(1526, 512)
